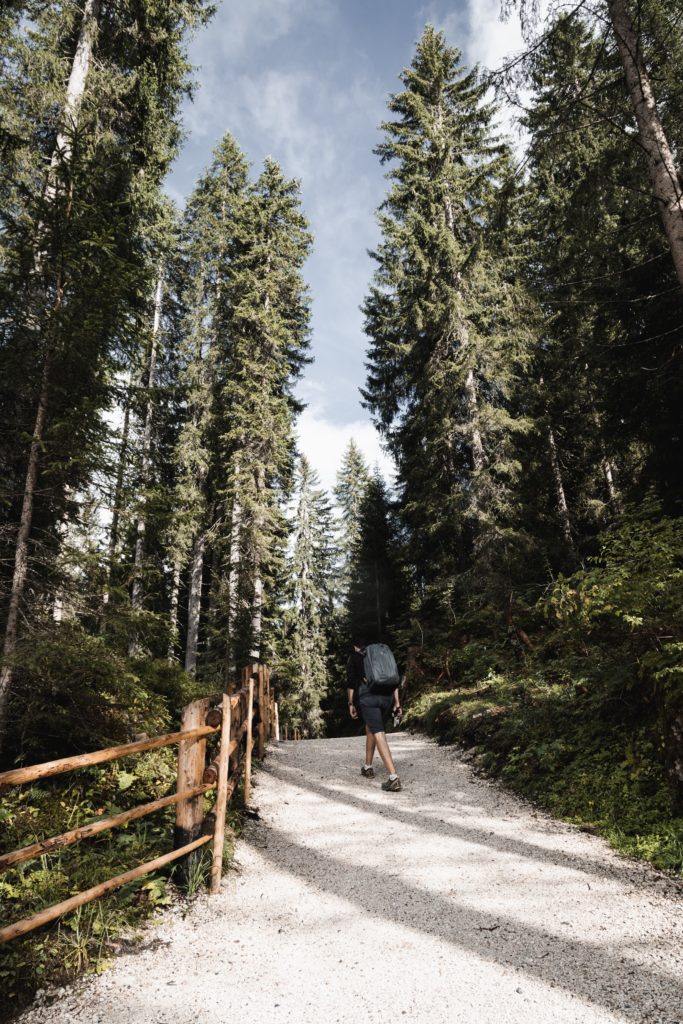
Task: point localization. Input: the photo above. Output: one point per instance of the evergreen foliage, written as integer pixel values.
(352, 482)
(309, 616)
(447, 321)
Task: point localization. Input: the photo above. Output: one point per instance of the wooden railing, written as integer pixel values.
(232, 714)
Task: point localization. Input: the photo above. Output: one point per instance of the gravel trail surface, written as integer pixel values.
(449, 902)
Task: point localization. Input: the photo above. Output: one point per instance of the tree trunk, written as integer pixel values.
(194, 602)
(233, 575)
(562, 507)
(61, 155)
(21, 552)
(118, 492)
(605, 462)
(136, 593)
(173, 630)
(74, 92)
(661, 166)
(257, 599)
(470, 382)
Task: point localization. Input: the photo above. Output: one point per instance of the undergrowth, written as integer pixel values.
(86, 939)
(75, 695)
(586, 718)
(545, 743)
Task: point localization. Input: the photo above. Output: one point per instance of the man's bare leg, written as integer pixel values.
(384, 752)
(369, 746)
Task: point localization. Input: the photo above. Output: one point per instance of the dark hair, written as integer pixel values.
(359, 641)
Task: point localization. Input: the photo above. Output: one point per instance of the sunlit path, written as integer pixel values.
(448, 902)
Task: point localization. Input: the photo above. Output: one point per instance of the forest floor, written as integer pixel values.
(452, 901)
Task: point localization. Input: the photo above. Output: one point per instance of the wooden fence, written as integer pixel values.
(244, 717)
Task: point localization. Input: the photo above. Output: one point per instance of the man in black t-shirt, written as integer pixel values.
(373, 710)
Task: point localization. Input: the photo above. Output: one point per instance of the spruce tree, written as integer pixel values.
(308, 616)
(447, 320)
(353, 478)
(377, 593)
(266, 304)
(209, 229)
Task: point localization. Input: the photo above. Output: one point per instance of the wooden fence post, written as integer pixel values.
(191, 763)
(221, 798)
(262, 712)
(250, 743)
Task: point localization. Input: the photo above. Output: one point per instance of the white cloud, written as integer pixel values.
(490, 40)
(324, 443)
(239, 29)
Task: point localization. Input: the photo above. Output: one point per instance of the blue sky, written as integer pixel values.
(306, 82)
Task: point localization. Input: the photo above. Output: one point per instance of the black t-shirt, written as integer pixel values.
(355, 673)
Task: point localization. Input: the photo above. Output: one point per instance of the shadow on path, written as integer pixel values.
(619, 869)
(582, 968)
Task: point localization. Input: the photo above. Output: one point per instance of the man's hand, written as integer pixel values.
(352, 711)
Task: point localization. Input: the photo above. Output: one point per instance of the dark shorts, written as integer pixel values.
(374, 709)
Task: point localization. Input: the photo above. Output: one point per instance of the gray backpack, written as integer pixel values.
(380, 670)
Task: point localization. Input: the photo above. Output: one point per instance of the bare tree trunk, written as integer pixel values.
(74, 92)
(233, 575)
(661, 166)
(562, 507)
(61, 155)
(136, 593)
(60, 593)
(173, 630)
(21, 551)
(608, 470)
(118, 492)
(470, 382)
(257, 599)
(194, 602)
(606, 464)
(256, 614)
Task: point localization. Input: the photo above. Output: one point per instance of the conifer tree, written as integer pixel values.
(447, 321)
(310, 604)
(352, 482)
(377, 594)
(209, 230)
(267, 306)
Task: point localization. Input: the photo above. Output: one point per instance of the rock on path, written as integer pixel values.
(450, 902)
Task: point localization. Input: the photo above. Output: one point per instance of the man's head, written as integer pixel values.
(359, 643)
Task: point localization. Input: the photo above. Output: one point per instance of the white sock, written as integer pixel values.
(393, 776)
(368, 766)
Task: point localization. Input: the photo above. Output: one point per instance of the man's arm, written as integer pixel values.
(352, 707)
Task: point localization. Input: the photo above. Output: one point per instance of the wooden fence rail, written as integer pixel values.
(231, 714)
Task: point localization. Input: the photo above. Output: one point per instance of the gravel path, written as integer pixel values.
(449, 902)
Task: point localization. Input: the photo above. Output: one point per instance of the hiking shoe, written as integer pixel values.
(367, 773)
(392, 785)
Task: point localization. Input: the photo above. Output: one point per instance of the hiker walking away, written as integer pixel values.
(367, 697)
